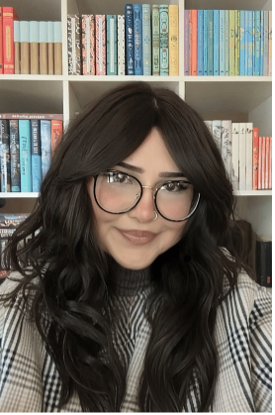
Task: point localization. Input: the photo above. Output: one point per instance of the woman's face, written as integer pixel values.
(134, 239)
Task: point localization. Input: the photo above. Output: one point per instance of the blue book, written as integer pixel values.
(137, 20)
(36, 155)
(245, 41)
(242, 43)
(257, 42)
(250, 43)
(129, 38)
(226, 42)
(210, 69)
(46, 148)
(265, 66)
(15, 156)
(164, 39)
(25, 155)
(205, 42)
(222, 42)
(111, 44)
(146, 39)
(216, 42)
(200, 47)
(262, 43)
(5, 156)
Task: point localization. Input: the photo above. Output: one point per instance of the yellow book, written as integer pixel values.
(173, 13)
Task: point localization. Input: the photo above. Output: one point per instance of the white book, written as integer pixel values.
(248, 155)
(121, 44)
(242, 156)
(235, 155)
(226, 145)
(209, 125)
(270, 43)
(216, 131)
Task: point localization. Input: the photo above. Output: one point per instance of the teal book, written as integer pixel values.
(237, 24)
(216, 42)
(222, 43)
(262, 43)
(111, 44)
(242, 43)
(245, 41)
(265, 65)
(226, 42)
(146, 39)
(257, 43)
(25, 155)
(164, 39)
(205, 42)
(250, 43)
(46, 147)
(200, 71)
(210, 66)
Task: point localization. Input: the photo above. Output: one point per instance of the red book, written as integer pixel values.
(267, 150)
(1, 42)
(193, 41)
(56, 132)
(9, 15)
(270, 165)
(260, 163)
(255, 159)
(263, 163)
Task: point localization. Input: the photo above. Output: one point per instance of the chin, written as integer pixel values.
(134, 263)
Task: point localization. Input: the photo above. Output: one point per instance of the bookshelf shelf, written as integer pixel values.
(19, 195)
(228, 79)
(253, 193)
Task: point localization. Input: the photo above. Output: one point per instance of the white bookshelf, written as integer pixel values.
(242, 99)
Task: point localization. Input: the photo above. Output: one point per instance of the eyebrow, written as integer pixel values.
(140, 170)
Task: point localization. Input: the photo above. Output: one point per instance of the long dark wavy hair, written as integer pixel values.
(57, 252)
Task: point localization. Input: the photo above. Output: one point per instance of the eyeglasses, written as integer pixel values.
(118, 192)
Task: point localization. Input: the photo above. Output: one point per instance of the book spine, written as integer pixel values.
(265, 44)
(222, 43)
(249, 156)
(129, 39)
(111, 44)
(36, 155)
(46, 150)
(34, 48)
(88, 44)
(200, 71)
(15, 156)
(25, 155)
(57, 48)
(24, 47)
(245, 41)
(235, 156)
(237, 42)
(242, 42)
(232, 43)
(9, 15)
(173, 47)
(155, 36)
(255, 166)
(205, 42)
(100, 31)
(226, 42)
(164, 39)
(257, 42)
(242, 156)
(137, 21)
(263, 162)
(186, 42)
(1, 42)
(146, 39)
(226, 146)
(270, 165)
(270, 43)
(16, 35)
(71, 44)
(267, 158)
(250, 43)
(50, 48)
(43, 57)
(261, 42)
(193, 41)
(56, 133)
(210, 68)
(78, 57)
(121, 44)
(217, 133)
(5, 157)
(216, 41)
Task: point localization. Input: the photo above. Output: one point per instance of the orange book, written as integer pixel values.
(1, 41)
(193, 40)
(255, 159)
(9, 15)
(267, 150)
(263, 163)
(56, 132)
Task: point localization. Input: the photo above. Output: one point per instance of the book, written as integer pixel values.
(146, 39)
(137, 22)
(43, 52)
(57, 48)
(217, 131)
(155, 38)
(24, 29)
(265, 43)
(255, 160)
(121, 44)
(226, 146)
(264, 263)
(242, 42)
(193, 42)
(263, 160)
(173, 46)
(205, 42)
(25, 155)
(88, 44)
(231, 42)
(9, 15)
(235, 156)
(242, 157)
(244, 56)
(16, 38)
(216, 42)
(200, 46)
(257, 43)
(36, 155)
(186, 42)
(249, 156)
(267, 159)
(34, 47)
(270, 165)
(111, 44)
(222, 43)
(74, 44)
(15, 156)
(5, 156)
(129, 39)
(210, 59)
(164, 39)
(250, 37)
(226, 42)
(46, 149)
(30, 116)
(50, 47)
(56, 133)
(270, 43)
(237, 43)
(1, 42)
(100, 48)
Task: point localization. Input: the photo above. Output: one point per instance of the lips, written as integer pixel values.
(138, 237)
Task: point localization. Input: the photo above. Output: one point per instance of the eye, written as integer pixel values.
(175, 186)
(118, 177)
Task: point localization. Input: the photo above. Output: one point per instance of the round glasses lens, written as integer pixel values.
(177, 200)
(116, 192)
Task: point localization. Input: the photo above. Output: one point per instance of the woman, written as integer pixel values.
(127, 293)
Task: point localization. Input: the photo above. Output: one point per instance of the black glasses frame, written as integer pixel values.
(156, 189)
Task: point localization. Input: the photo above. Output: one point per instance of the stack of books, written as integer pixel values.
(247, 157)
(228, 42)
(144, 41)
(27, 144)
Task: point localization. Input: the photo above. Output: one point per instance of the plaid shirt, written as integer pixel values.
(29, 380)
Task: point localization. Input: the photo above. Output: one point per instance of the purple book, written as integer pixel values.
(186, 42)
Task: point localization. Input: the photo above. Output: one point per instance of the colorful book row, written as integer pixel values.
(144, 41)
(247, 157)
(27, 142)
(228, 42)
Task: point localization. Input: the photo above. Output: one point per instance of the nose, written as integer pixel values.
(144, 211)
